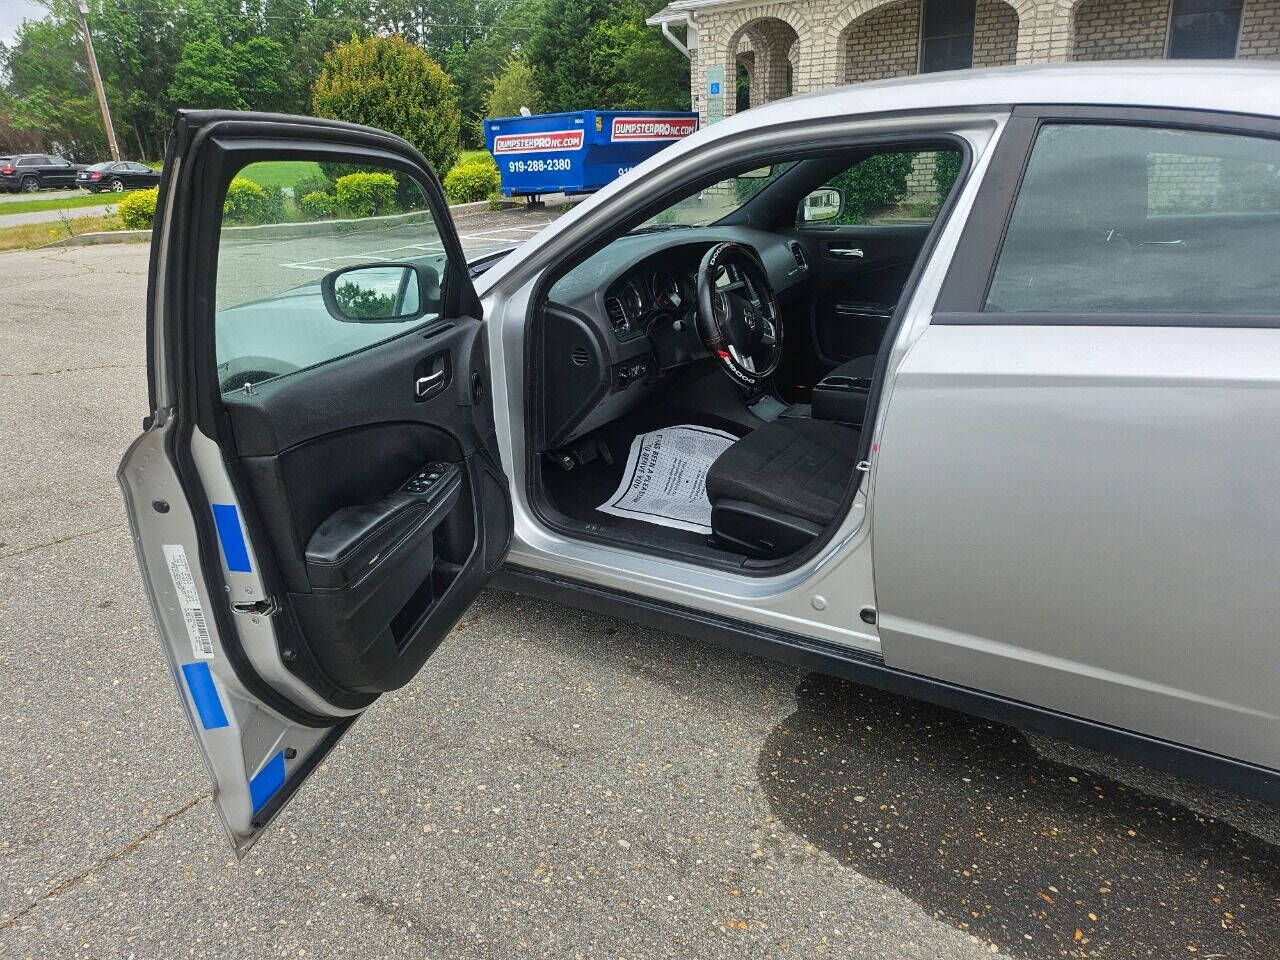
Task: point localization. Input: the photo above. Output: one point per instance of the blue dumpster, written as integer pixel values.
(580, 151)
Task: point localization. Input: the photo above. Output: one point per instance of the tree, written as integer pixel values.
(389, 83)
(243, 76)
(598, 54)
(513, 88)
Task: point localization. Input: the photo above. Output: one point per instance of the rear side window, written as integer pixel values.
(318, 261)
(1127, 219)
(895, 187)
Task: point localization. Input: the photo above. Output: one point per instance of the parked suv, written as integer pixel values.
(30, 172)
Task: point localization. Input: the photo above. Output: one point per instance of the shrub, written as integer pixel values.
(387, 82)
(138, 209)
(316, 205)
(471, 180)
(313, 183)
(945, 170)
(873, 186)
(366, 194)
(250, 202)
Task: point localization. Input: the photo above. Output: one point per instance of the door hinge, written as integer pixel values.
(258, 608)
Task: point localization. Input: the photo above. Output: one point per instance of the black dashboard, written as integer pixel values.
(622, 322)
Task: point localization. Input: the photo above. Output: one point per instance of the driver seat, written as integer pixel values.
(774, 490)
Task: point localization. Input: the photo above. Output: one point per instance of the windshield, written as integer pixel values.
(716, 201)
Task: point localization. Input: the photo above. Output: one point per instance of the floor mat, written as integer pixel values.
(665, 479)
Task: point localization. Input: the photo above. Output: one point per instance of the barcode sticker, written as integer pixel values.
(189, 600)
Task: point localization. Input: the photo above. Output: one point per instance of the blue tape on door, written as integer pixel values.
(267, 781)
(227, 517)
(204, 695)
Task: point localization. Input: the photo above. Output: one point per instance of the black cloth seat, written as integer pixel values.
(864, 367)
(797, 467)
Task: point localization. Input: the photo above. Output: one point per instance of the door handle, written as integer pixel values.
(846, 253)
(425, 385)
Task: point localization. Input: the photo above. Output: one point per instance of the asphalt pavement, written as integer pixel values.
(553, 783)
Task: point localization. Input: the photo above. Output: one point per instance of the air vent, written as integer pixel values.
(617, 315)
(579, 356)
(798, 254)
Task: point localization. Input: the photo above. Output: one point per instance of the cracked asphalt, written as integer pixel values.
(554, 783)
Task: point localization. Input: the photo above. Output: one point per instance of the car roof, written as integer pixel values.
(1237, 86)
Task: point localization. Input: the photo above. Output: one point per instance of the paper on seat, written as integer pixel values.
(665, 480)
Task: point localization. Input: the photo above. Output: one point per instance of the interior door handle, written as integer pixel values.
(847, 253)
(425, 385)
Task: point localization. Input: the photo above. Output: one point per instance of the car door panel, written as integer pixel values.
(316, 468)
(1046, 528)
(298, 560)
(1073, 486)
(859, 273)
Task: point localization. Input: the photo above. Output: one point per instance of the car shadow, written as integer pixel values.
(1042, 859)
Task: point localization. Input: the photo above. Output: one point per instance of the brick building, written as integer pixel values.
(743, 53)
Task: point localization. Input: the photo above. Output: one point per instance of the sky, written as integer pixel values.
(13, 12)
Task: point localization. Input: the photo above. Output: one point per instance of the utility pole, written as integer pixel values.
(81, 9)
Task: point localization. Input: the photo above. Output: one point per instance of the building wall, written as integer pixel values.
(884, 43)
(1260, 31)
(1121, 29)
(995, 34)
(831, 42)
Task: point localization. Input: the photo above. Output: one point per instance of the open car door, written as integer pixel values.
(316, 496)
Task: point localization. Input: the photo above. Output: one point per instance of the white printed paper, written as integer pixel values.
(189, 600)
(665, 480)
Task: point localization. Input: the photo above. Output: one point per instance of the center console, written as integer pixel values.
(841, 399)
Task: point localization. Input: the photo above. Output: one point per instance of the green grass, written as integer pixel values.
(277, 174)
(61, 203)
(31, 235)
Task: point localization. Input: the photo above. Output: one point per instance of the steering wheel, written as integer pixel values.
(738, 317)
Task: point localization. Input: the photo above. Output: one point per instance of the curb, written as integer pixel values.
(266, 232)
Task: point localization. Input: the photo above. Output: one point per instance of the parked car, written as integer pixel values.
(117, 176)
(1018, 456)
(30, 172)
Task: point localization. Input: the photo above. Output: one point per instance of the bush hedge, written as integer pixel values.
(313, 183)
(366, 194)
(317, 206)
(250, 202)
(473, 179)
(138, 209)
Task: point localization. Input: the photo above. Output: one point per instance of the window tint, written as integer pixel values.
(1118, 219)
(1204, 29)
(946, 36)
(891, 188)
(369, 230)
(32, 161)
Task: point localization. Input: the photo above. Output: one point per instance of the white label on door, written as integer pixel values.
(189, 600)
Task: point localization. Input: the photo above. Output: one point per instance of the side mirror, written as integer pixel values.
(822, 204)
(381, 292)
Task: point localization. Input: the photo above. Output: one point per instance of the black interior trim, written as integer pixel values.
(1226, 773)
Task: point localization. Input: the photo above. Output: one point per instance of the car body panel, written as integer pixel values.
(1085, 518)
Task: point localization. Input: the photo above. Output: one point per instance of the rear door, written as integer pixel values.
(1075, 485)
(317, 495)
